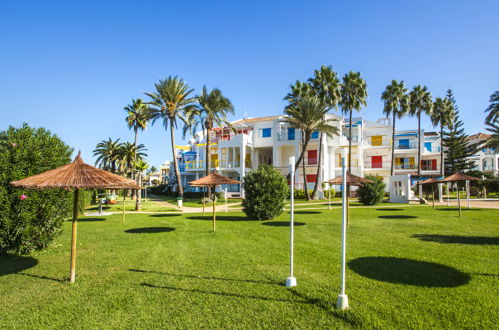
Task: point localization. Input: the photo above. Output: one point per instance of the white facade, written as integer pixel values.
(485, 159)
(268, 140)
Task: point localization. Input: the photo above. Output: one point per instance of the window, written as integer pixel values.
(404, 144)
(377, 161)
(315, 134)
(404, 163)
(376, 140)
(311, 177)
(291, 133)
(312, 157)
(427, 146)
(265, 132)
(429, 164)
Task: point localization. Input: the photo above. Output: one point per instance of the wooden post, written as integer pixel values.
(72, 267)
(329, 195)
(123, 214)
(433, 194)
(458, 199)
(214, 216)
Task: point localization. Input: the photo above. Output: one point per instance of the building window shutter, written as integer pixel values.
(376, 140)
(312, 157)
(377, 161)
(291, 133)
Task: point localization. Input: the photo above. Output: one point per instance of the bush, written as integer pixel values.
(331, 192)
(266, 191)
(300, 194)
(30, 224)
(372, 193)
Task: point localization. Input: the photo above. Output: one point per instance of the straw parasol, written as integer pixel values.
(212, 180)
(352, 180)
(76, 175)
(456, 177)
(431, 181)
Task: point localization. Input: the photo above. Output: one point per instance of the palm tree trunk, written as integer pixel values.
(419, 143)
(307, 196)
(134, 191)
(180, 190)
(441, 150)
(392, 170)
(302, 155)
(319, 166)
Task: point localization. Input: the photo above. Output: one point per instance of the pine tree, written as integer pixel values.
(455, 143)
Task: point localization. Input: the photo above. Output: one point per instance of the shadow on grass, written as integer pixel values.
(149, 230)
(389, 209)
(410, 272)
(456, 239)
(397, 216)
(223, 294)
(282, 223)
(42, 277)
(201, 277)
(15, 264)
(222, 218)
(88, 219)
(165, 215)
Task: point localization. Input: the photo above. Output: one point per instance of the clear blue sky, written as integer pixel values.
(72, 67)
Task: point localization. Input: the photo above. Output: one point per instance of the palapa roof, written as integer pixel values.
(212, 179)
(459, 177)
(76, 175)
(351, 179)
(430, 180)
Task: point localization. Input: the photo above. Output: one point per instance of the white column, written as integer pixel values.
(342, 301)
(242, 166)
(467, 184)
(291, 280)
(441, 192)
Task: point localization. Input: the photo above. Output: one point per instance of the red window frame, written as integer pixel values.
(376, 161)
(311, 178)
(312, 157)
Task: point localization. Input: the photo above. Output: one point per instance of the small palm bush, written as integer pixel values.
(265, 193)
(372, 193)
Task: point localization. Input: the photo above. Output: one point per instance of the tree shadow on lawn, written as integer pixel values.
(88, 219)
(389, 209)
(222, 218)
(397, 216)
(202, 277)
(455, 239)
(282, 223)
(165, 215)
(149, 230)
(407, 271)
(15, 264)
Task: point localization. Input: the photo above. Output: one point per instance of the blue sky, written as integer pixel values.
(72, 66)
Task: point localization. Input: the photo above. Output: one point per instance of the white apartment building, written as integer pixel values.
(485, 159)
(268, 140)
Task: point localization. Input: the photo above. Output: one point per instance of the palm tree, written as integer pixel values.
(107, 152)
(213, 110)
(327, 87)
(353, 97)
(396, 104)
(171, 101)
(308, 115)
(492, 121)
(128, 155)
(420, 102)
(141, 166)
(443, 115)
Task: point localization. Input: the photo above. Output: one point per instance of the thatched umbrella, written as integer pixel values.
(352, 180)
(76, 175)
(212, 180)
(456, 177)
(431, 181)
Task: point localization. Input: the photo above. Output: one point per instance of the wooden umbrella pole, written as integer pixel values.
(214, 216)
(458, 200)
(123, 214)
(72, 267)
(433, 195)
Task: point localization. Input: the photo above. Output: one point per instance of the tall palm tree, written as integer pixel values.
(396, 105)
(492, 121)
(171, 101)
(308, 115)
(107, 152)
(443, 115)
(141, 166)
(353, 97)
(213, 110)
(128, 155)
(327, 87)
(420, 102)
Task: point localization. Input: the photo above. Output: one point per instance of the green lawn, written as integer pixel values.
(408, 267)
(194, 202)
(147, 206)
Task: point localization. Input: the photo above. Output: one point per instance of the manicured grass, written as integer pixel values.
(194, 202)
(408, 267)
(147, 206)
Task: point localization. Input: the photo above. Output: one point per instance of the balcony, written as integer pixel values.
(377, 165)
(409, 146)
(383, 143)
(405, 166)
(488, 168)
(432, 149)
(228, 164)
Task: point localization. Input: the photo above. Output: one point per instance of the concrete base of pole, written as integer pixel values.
(342, 302)
(290, 282)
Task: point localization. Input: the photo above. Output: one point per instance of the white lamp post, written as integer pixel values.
(342, 301)
(291, 280)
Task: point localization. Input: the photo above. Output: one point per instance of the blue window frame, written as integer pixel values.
(427, 145)
(404, 144)
(291, 133)
(315, 134)
(266, 132)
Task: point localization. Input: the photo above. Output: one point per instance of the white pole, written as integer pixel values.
(291, 280)
(448, 193)
(467, 182)
(342, 301)
(225, 195)
(329, 195)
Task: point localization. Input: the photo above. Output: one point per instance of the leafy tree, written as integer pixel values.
(443, 114)
(492, 121)
(31, 223)
(265, 193)
(107, 152)
(372, 193)
(397, 105)
(420, 102)
(457, 149)
(171, 101)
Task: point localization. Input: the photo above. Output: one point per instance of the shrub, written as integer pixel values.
(265, 193)
(331, 192)
(300, 194)
(372, 193)
(30, 224)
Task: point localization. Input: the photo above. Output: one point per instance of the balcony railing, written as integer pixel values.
(382, 143)
(429, 168)
(412, 145)
(405, 166)
(488, 168)
(355, 138)
(377, 165)
(433, 149)
(228, 164)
